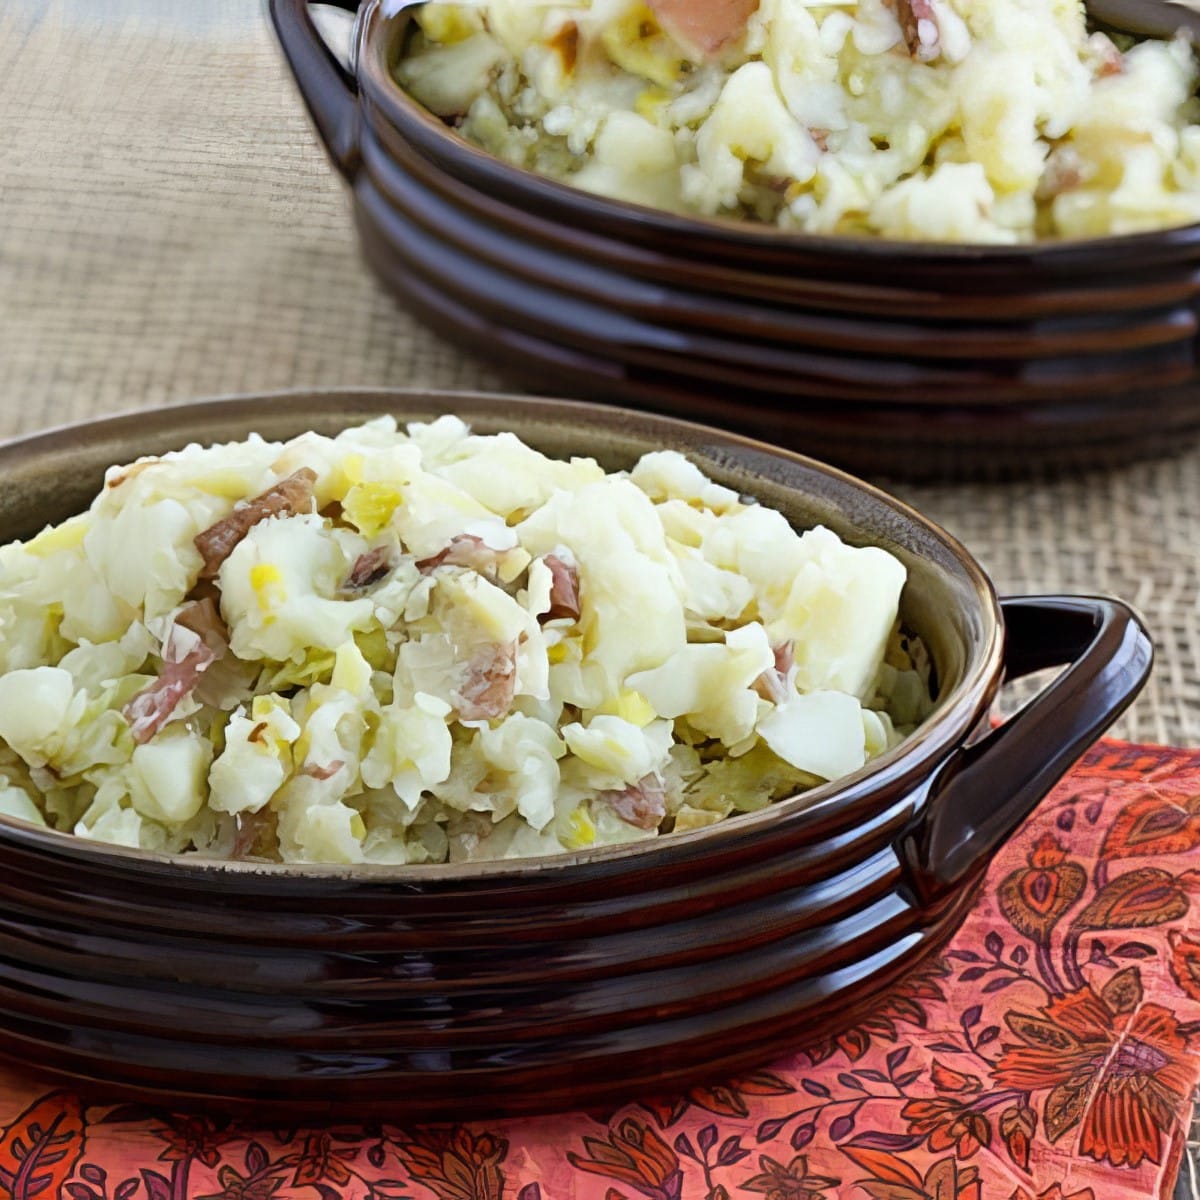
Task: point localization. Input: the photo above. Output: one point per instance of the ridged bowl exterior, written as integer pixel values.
(514, 987)
(908, 359)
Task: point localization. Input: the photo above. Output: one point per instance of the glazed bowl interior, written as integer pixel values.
(381, 42)
(947, 600)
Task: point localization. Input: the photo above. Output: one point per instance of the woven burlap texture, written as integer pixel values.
(170, 229)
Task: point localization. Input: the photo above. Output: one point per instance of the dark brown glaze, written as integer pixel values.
(889, 436)
(587, 979)
(802, 363)
(902, 358)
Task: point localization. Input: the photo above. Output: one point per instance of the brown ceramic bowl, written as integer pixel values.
(882, 356)
(554, 983)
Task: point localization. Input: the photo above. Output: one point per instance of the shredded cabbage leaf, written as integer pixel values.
(426, 645)
(966, 121)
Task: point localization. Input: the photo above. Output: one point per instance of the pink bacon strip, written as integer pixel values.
(490, 685)
(464, 550)
(704, 27)
(772, 684)
(153, 707)
(918, 21)
(642, 804)
(204, 619)
(368, 569)
(1109, 59)
(564, 590)
(288, 497)
(253, 829)
(312, 771)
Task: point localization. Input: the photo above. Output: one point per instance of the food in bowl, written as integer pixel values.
(428, 645)
(969, 121)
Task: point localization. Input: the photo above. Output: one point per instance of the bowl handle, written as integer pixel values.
(979, 796)
(329, 93)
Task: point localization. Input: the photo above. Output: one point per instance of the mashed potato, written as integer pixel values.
(421, 646)
(979, 121)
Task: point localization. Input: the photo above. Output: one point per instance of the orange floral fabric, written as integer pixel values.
(1049, 1054)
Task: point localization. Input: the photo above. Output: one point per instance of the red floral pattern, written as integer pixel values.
(633, 1154)
(1050, 1054)
(1114, 1066)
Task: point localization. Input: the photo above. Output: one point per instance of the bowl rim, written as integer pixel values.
(914, 758)
(371, 51)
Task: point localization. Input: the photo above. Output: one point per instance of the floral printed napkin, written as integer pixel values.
(1050, 1054)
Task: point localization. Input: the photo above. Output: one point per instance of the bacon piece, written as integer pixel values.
(785, 658)
(467, 831)
(1063, 173)
(323, 773)
(368, 569)
(1106, 56)
(564, 590)
(204, 619)
(464, 550)
(704, 27)
(772, 684)
(256, 835)
(642, 804)
(205, 589)
(227, 682)
(918, 21)
(152, 707)
(778, 184)
(490, 684)
(286, 498)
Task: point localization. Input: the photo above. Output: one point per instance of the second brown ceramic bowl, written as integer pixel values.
(549, 984)
(882, 356)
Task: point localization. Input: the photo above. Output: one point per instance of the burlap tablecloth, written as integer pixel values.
(169, 229)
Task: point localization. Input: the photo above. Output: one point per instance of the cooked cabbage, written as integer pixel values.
(970, 121)
(428, 645)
